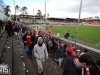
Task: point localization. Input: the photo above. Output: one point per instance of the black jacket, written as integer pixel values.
(94, 70)
(71, 68)
(16, 29)
(1, 23)
(8, 28)
(32, 39)
(55, 45)
(60, 52)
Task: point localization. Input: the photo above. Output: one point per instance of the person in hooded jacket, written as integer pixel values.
(40, 52)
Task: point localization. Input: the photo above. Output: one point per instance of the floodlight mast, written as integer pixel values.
(45, 14)
(34, 16)
(76, 36)
(15, 10)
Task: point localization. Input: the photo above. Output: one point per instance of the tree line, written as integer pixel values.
(7, 9)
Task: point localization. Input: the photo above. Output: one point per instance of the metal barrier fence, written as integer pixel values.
(94, 52)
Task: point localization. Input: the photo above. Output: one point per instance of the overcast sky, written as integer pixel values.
(59, 8)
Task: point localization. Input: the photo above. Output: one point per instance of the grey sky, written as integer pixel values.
(66, 8)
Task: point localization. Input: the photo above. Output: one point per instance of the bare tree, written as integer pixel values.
(24, 10)
(17, 8)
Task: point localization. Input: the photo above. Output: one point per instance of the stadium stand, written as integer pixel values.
(93, 21)
(62, 21)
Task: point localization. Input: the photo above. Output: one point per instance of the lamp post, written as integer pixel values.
(34, 16)
(15, 9)
(45, 15)
(78, 22)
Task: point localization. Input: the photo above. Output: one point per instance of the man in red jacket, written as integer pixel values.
(28, 42)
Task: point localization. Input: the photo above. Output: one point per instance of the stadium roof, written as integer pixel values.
(92, 19)
(63, 18)
(55, 18)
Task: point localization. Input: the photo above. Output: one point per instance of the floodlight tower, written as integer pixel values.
(14, 8)
(34, 16)
(76, 36)
(45, 15)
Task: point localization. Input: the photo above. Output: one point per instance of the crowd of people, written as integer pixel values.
(42, 44)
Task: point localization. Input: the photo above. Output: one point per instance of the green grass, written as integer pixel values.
(90, 34)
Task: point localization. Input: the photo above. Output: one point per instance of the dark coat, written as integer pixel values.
(1, 23)
(94, 70)
(32, 40)
(16, 29)
(71, 68)
(8, 27)
(60, 52)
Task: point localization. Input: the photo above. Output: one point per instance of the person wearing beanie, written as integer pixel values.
(77, 53)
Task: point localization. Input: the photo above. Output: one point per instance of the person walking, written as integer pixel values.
(16, 31)
(58, 35)
(60, 53)
(40, 51)
(9, 28)
(28, 43)
(1, 25)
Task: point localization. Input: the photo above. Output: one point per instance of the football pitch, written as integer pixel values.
(89, 34)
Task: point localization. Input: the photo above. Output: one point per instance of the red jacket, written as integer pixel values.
(70, 51)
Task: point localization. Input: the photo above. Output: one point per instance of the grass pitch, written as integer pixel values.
(90, 34)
